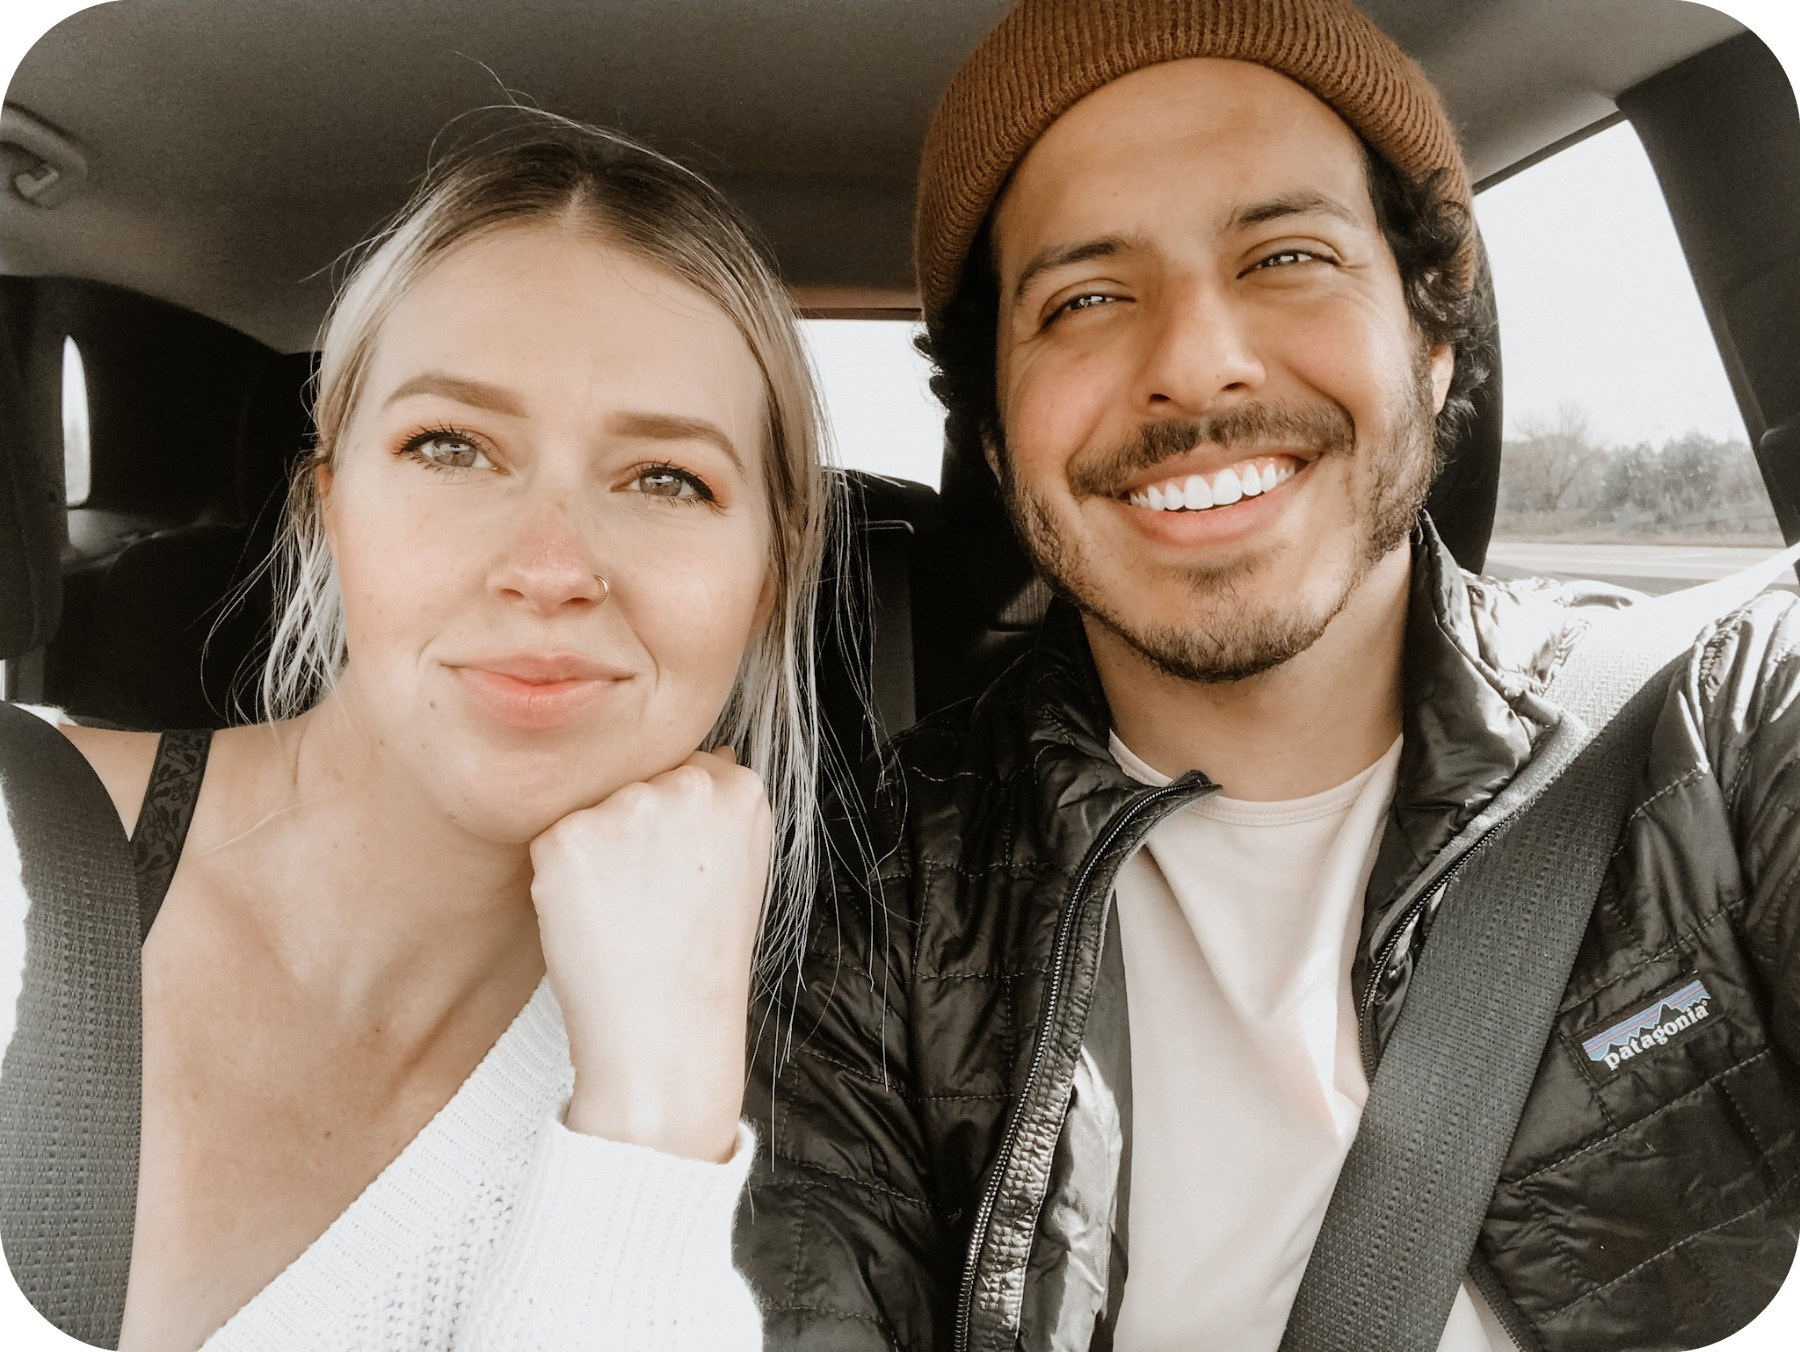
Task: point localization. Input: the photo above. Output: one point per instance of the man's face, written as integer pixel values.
(1197, 307)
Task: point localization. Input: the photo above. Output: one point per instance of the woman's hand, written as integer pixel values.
(648, 906)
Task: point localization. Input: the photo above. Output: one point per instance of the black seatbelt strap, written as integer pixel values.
(1401, 1226)
(164, 817)
(71, 1081)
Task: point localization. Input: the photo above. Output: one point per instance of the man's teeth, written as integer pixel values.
(1198, 492)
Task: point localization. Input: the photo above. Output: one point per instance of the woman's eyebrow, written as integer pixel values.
(463, 389)
(673, 427)
(499, 399)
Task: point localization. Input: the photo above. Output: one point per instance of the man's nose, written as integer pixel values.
(549, 565)
(1198, 352)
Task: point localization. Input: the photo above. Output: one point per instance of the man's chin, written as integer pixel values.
(1215, 651)
(1230, 623)
(1233, 620)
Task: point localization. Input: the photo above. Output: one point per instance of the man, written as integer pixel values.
(1084, 1070)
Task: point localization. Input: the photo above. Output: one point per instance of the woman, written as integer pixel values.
(561, 531)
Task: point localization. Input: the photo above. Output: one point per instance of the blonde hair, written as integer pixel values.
(542, 167)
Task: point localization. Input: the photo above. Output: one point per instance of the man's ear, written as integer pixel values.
(990, 452)
(1443, 367)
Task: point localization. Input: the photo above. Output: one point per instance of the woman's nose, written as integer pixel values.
(549, 566)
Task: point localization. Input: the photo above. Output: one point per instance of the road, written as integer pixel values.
(1647, 568)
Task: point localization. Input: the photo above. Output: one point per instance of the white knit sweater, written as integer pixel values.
(497, 1227)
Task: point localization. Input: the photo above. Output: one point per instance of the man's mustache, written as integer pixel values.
(1312, 429)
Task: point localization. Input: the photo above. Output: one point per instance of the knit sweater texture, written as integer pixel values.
(497, 1227)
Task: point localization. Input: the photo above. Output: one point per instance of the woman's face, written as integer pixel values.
(543, 411)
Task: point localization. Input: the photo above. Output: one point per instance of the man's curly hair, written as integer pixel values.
(1428, 232)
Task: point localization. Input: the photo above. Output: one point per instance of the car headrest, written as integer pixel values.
(1467, 488)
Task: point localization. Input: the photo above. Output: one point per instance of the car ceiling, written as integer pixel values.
(236, 150)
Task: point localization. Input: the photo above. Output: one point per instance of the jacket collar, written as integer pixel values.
(1466, 733)
(1065, 705)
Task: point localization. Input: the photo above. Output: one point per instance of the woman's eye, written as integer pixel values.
(448, 450)
(665, 481)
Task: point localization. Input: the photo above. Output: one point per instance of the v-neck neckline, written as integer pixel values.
(510, 1094)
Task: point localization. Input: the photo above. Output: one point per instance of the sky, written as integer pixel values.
(1597, 308)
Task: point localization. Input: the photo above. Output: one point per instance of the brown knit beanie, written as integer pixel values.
(1047, 55)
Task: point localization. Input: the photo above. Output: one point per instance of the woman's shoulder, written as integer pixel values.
(122, 761)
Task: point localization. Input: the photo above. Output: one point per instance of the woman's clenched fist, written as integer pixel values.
(648, 904)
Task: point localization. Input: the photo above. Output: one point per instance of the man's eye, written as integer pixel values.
(447, 450)
(665, 481)
(1286, 257)
(1087, 300)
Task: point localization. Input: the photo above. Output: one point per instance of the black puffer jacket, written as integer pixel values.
(946, 1138)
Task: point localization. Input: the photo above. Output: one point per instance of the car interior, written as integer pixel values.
(183, 175)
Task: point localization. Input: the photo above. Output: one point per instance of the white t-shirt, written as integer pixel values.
(1238, 921)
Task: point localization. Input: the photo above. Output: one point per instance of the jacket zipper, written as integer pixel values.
(1365, 1016)
(1078, 903)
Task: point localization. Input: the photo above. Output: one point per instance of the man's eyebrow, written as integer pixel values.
(1300, 203)
(673, 427)
(463, 389)
(1066, 255)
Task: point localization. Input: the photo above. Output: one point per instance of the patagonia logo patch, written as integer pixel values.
(1653, 1026)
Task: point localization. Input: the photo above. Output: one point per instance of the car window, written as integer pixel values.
(77, 457)
(883, 415)
(1625, 455)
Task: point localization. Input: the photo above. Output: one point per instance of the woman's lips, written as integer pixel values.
(536, 697)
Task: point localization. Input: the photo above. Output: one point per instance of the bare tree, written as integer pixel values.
(1554, 456)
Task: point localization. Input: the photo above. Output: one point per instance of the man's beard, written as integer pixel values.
(1245, 635)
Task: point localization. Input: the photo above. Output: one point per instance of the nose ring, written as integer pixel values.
(605, 588)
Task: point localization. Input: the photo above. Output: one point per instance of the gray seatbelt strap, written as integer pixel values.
(70, 1084)
(1401, 1226)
